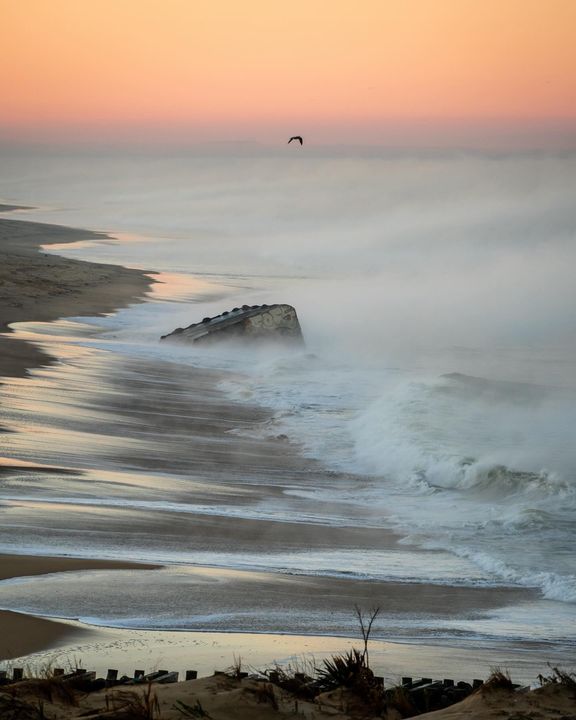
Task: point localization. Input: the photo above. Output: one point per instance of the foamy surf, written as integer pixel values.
(435, 397)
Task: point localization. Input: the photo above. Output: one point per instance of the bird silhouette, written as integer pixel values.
(296, 137)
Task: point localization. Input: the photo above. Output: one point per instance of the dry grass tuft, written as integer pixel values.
(351, 671)
(498, 680)
(132, 705)
(51, 689)
(559, 677)
(342, 670)
(192, 711)
(235, 670)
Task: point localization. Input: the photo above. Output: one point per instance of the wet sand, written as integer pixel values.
(102, 648)
(23, 634)
(12, 566)
(150, 417)
(37, 286)
(173, 421)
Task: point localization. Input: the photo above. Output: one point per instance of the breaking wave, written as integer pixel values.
(483, 469)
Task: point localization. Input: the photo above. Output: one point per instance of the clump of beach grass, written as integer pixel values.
(499, 679)
(559, 677)
(191, 711)
(342, 670)
(235, 670)
(133, 705)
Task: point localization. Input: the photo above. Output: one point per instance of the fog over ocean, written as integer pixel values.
(437, 387)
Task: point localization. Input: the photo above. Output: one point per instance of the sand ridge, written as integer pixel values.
(22, 634)
(225, 697)
(38, 286)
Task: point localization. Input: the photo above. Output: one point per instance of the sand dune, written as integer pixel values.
(222, 697)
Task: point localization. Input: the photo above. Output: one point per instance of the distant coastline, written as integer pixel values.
(35, 286)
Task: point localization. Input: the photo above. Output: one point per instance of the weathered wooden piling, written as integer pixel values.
(151, 677)
(169, 677)
(428, 695)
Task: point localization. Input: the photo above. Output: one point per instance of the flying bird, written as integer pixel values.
(296, 137)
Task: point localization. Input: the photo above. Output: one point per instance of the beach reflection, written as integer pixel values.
(207, 652)
(128, 455)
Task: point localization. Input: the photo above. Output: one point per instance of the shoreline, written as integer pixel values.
(98, 647)
(22, 633)
(46, 287)
(19, 566)
(53, 641)
(35, 286)
(231, 687)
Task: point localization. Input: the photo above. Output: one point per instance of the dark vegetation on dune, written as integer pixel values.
(343, 685)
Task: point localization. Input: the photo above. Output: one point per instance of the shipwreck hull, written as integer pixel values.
(251, 323)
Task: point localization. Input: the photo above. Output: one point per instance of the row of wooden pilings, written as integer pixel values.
(425, 694)
(85, 677)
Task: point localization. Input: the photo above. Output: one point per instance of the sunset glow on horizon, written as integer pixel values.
(256, 69)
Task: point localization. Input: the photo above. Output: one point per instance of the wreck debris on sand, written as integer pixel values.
(249, 322)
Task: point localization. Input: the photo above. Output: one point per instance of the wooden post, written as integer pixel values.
(169, 677)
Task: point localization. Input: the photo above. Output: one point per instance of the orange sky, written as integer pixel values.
(232, 68)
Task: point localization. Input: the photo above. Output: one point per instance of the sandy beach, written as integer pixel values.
(236, 470)
(287, 360)
(228, 696)
(23, 634)
(37, 286)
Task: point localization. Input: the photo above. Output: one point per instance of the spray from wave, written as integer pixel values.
(436, 294)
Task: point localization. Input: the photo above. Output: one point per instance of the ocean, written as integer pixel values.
(435, 397)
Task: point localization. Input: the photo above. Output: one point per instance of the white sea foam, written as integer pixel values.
(436, 296)
(465, 468)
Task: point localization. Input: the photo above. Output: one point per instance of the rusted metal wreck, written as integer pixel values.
(249, 322)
